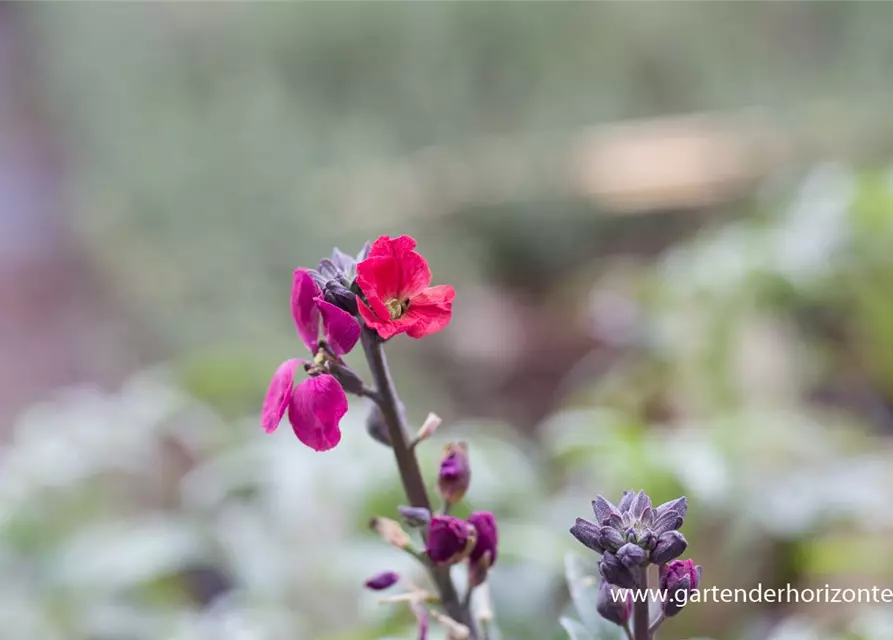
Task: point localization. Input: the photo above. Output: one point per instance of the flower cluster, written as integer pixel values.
(631, 536)
(394, 280)
(383, 292)
(448, 540)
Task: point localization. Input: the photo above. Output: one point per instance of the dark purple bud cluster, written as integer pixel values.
(335, 277)
(630, 536)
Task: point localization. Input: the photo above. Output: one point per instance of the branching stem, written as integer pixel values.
(385, 396)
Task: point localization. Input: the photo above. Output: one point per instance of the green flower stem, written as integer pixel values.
(385, 397)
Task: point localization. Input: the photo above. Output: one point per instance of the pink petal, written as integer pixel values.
(387, 246)
(415, 274)
(386, 329)
(379, 278)
(317, 406)
(430, 311)
(340, 329)
(278, 396)
(412, 275)
(303, 308)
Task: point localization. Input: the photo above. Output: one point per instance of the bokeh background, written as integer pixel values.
(670, 228)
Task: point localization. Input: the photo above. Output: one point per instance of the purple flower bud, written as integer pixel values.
(455, 473)
(337, 294)
(450, 540)
(603, 509)
(678, 579)
(610, 538)
(626, 500)
(680, 505)
(640, 502)
(382, 581)
(668, 520)
(670, 545)
(613, 571)
(612, 604)
(632, 555)
(483, 555)
(415, 516)
(587, 533)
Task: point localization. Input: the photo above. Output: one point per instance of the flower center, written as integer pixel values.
(396, 307)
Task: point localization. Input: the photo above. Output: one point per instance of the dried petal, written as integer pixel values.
(391, 532)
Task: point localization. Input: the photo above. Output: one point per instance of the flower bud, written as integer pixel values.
(429, 426)
(337, 294)
(450, 540)
(610, 538)
(632, 555)
(670, 545)
(391, 531)
(382, 581)
(613, 571)
(587, 533)
(455, 473)
(483, 555)
(376, 426)
(415, 516)
(678, 579)
(612, 605)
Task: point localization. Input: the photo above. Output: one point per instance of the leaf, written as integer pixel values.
(575, 630)
(582, 584)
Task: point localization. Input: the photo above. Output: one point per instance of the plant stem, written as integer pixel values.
(640, 609)
(408, 466)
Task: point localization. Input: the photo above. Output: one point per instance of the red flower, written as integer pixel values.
(395, 280)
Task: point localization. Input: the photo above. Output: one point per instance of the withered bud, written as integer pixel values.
(455, 473)
(391, 532)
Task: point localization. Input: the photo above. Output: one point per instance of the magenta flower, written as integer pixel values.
(316, 405)
(450, 540)
(483, 555)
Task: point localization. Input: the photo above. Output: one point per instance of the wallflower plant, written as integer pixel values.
(386, 291)
(383, 292)
(630, 537)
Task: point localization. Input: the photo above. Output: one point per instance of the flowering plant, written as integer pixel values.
(630, 537)
(383, 292)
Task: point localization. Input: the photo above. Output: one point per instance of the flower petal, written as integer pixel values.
(387, 246)
(317, 406)
(379, 278)
(278, 396)
(413, 271)
(304, 292)
(340, 329)
(430, 311)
